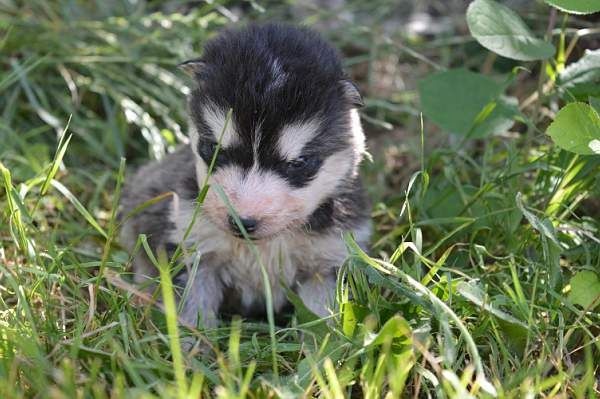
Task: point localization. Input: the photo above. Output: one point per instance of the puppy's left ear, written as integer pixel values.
(351, 92)
(192, 67)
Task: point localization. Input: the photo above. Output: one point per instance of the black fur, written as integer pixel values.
(236, 72)
(346, 210)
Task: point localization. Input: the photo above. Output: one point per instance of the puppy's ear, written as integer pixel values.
(351, 92)
(192, 67)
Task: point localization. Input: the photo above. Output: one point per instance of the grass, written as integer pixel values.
(465, 293)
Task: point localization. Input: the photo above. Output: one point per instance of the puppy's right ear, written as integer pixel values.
(192, 67)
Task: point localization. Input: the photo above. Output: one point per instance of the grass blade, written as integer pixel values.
(79, 206)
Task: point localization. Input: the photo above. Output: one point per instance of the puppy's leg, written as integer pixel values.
(318, 294)
(205, 295)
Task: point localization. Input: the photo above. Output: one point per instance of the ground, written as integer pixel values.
(482, 279)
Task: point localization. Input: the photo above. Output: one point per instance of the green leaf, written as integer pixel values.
(352, 314)
(79, 206)
(595, 103)
(576, 6)
(305, 316)
(60, 153)
(576, 128)
(499, 120)
(394, 328)
(543, 226)
(473, 293)
(501, 30)
(454, 100)
(585, 289)
(582, 78)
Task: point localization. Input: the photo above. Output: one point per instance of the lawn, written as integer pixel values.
(483, 277)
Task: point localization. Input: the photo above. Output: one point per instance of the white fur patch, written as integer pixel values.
(358, 136)
(201, 167)
(294, 137)
(328, 178)
(215, 119)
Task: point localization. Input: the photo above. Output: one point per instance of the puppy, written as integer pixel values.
(286, 166)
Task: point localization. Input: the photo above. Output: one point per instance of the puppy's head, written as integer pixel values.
(294, 133)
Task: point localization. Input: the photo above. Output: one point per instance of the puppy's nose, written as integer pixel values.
(250, 224)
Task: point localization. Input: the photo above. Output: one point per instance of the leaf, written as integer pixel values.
(576, 128)
(305, 316)
(79, 206)
(60, 153)
(576, 6)
(352, 314)
(585, 289)
(582, 78)
(543, 226)
(455, 98)
(473, 293)
(439, 307)
(501, 30)
(394, 328)
(595, 103)
(499, 120)
(595, 146)
(551, 248)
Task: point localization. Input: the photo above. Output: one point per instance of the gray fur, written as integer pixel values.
(149, 181)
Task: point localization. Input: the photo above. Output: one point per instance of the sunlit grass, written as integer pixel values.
(465, 292)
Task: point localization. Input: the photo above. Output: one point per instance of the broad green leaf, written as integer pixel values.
(582, 78)
(576, 128)
(585, 289)
(454, 100)
(576, 6)
(501, 30)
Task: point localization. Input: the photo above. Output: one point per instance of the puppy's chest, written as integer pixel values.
(241, 265)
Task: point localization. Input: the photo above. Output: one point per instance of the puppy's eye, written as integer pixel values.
(305, 163)
(298, 172)
(211, 147)
(206, 149)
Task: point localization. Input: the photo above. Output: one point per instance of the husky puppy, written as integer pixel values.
(287, 165)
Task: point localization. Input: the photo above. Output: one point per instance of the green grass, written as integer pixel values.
(466, 290)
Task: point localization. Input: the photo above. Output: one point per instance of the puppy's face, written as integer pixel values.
(294, 135)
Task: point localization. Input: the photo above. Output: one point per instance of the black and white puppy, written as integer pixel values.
(288, 164)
